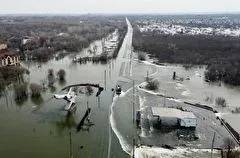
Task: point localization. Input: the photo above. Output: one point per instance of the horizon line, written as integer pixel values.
(144, 13)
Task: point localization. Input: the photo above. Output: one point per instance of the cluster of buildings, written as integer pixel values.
(111, 43)
(163, 28)
(9, 55)
(192, 26)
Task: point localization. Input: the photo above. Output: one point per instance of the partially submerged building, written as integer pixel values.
(174, 116)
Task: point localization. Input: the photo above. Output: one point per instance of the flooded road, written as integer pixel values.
(46, 132)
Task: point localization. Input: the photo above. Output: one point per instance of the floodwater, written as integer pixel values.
(196, 90)
(123, 106)
(40, 128)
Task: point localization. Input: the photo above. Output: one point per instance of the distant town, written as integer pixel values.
(194, 25)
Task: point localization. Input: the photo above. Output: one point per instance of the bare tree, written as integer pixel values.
(51, 77)
(152, 84)
(141, 56)
(229, 145)
(61, 74)
(35, 90)
(44, 84)
(2, 84)
(220, 101)
(20, 91)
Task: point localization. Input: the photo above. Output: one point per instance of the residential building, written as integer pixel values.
(3, 47)
(9, 58)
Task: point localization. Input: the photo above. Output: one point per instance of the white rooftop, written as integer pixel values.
(172, 112)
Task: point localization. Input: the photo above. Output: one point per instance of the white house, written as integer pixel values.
(183, 118)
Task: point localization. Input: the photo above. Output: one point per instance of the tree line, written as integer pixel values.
(52, 34)
(221, 54)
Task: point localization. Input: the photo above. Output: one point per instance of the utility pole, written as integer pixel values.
(110, 74)
(147, 76)
(213, 143)
(164, 98)
(98, 101)
(105, 79)
(133, 107)
(70, 143)
(133, 120)
(133, 148)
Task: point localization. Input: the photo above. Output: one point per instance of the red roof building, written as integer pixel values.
(9, 58)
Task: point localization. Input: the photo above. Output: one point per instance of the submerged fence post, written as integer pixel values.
(133, 108)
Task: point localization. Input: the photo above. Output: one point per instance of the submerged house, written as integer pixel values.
(8, 59)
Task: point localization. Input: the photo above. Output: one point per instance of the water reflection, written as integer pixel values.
(37, 100)
(52, 89)
(82, 122)
(62, 82)
(20, 102)
(67, 123)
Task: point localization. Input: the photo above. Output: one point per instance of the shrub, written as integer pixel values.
(50, 72)
(233, 154)
(51, 77)
(35, 89)
(220, 101)
(61, 74)
(236, 110)
(152, 84)
(2, 84)
(229, 145)
(44, 84)
(20, 91)
(141, 56)
(209, 99)
(89, 90)
(12, 73)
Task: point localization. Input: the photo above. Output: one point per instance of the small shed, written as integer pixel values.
(184, 118)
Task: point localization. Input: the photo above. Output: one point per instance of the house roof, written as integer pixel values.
(172, 113)
(6, 54)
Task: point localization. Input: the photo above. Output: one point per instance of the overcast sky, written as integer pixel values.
(118, 6)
